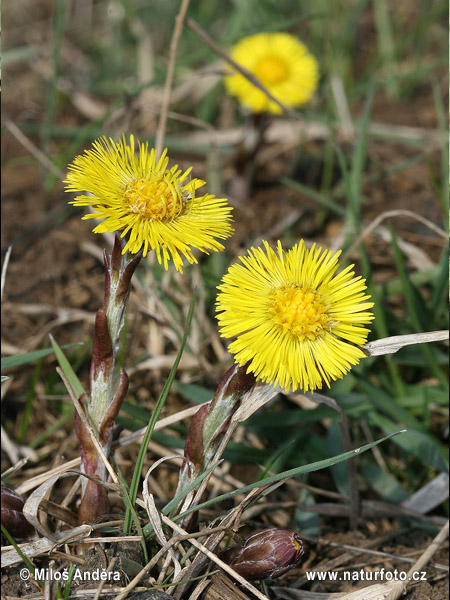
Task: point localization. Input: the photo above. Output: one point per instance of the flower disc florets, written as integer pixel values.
(154, 206)
(296, 321)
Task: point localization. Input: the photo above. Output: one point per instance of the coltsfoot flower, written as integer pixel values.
(265, 555)
(154, 206)
(282, 64)
(295, 321)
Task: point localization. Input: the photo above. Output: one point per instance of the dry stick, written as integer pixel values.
(88, 427)
(4, 269)
(394, 213)
(432, 548)
(358, 551)
(28, 485)
(172, 542)
(34, 150)
(102, 583)
(215, 559)
(193, 26)
(179, 22)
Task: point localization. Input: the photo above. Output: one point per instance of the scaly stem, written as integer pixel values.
(104, 401)
(209, 425)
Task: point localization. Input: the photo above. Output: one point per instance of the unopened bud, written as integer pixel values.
(266, 555)
(13, 518)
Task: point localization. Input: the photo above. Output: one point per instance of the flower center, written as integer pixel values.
(155, 197)
(271, 69)
(299, 311)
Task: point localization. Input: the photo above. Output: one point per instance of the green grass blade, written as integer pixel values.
(443, 128)
(148, 529)
(438, 304)
(52, 89)
(140, 459)
(8, 362)
(315, 466)
(130, 508)
(414, 310)
(314, 195)
(23, 556)
(380, 324)
(66, 368)
(359, 158)
(68, 586)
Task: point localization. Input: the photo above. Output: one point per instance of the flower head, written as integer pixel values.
(296, 321)
(12, 515)
(155, 206)
(265, 555)
(281, 63)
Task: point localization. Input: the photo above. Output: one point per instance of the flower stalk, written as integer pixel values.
(105, 399)
(208, 427)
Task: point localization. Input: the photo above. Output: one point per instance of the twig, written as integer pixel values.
(172, 542)
(242, 70)
(33, 150)
(33, 482)
(393, 344)
(394, 213)
(88, 427)
(179, 22)
(215, 559)
(432, 548)
(102, 583)
(4, 269)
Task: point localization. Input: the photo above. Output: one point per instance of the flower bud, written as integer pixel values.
(13, 518)
(266, 555)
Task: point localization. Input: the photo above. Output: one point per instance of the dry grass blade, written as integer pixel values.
(179, 21)
(216, 560)
(126, 440)
(34, 150)
(154, 515)
(389, 214)
(43, 545)
(393, 344)
(85, 422)
(4, 270)
(431, 495)
(430, 551)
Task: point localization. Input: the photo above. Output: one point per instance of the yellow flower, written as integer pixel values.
(282, 63)
(296, 321)
(156, 207)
